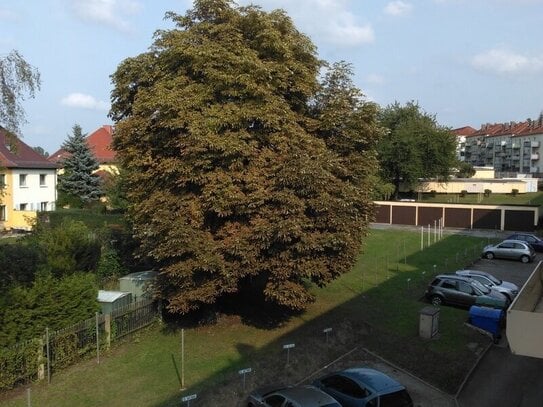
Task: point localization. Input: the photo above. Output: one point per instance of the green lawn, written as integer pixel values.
(532, 198)
(376, 306)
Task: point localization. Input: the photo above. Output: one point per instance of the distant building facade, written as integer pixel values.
(511, 148)
(28, 181)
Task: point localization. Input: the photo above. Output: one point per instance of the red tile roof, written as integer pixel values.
(464, 131)
(16, 154)
(512, 129)
(99, 143)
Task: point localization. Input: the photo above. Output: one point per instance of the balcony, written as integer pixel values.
(516, 145)
(534, 169)
(534, 156)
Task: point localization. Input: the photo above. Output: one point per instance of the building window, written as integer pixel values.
(43, 177)
(22, 180)
(22, 207)
(43, 206)
(2, 212)
(2, 180)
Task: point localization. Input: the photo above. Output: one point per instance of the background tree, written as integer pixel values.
(78, 182)
(41, 151)
(17, 80)
(236, 180)
(415, 146)
(464, 170)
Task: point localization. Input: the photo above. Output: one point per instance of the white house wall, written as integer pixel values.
(33, 194)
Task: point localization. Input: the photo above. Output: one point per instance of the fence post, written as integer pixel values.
(107, 328)
(48, 356)
(41, 365)
(97, 341)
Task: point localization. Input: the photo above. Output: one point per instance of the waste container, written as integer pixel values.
(488, 319)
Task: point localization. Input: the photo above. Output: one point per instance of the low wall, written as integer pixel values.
(525, 317)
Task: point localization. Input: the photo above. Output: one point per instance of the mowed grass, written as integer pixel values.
(381, 294)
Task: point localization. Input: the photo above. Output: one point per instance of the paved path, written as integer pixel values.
(504, 379)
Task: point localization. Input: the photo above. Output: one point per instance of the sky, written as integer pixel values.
(467, 62)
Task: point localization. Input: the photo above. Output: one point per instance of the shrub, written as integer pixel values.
(487, 192)
(463, 193)
(433, 193)
(514, 191)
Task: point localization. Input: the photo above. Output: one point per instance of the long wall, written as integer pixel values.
(497, 217)
(525, 317)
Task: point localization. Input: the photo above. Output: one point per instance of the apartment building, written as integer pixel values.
(511, 148)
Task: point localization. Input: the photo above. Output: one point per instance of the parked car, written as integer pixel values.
(364, 387)
(298, 396)
(510, 249)
(463, 291)
(508, 289)
(533, 240)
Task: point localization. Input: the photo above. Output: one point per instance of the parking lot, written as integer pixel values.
(501, 378)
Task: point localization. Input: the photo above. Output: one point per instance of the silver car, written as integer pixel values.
(299, 396)
(510, 249)
(508, 289)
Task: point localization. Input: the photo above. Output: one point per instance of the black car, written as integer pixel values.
(463, 291)
(533, 240)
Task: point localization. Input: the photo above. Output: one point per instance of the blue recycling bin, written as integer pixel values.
(488, 319)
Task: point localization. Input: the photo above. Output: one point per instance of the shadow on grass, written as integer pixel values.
(381, 315)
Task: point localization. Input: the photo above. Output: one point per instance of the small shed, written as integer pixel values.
(139, 284)
(112, 300)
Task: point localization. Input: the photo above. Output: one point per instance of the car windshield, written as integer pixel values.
(494, 279)
(480, 287)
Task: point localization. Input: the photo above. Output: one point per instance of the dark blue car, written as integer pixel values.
(364, 387)
(533, 240)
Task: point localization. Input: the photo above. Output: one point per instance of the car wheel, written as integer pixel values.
(525, 259)
(436, 300)
(489, 255)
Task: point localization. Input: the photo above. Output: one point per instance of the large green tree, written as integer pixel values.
(78, 181)
(414, 146)
(17, 80)
(243, 172)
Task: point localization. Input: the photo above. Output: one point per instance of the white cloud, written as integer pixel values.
(83, 101)
(398, 8)
(375, 79)
(107, 12)
(326, 21)
(502, 61)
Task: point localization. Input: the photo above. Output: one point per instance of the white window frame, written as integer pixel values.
(23, 180)
(43, 177)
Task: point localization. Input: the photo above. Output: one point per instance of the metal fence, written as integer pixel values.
(39, 358)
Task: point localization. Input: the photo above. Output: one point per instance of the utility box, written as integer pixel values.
(139, 284)
(488, 319)
(111, 300)
(429, 322)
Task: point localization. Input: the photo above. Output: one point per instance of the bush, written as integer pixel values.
(514, 192)
(433, 193)
(487, 192)
(463, 193)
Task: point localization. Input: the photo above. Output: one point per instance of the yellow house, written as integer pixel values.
(28, 181)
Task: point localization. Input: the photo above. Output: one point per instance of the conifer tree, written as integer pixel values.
(78, 180)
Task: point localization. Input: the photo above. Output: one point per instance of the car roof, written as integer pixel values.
(473, 272)
(375, 380)
(307, 394)
(454, 276)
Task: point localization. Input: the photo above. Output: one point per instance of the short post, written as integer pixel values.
(97, 341)
(435, 231)
(28, 400)
(408, 281)
(429, 235)
(182, 358)
(288, 347)
(107, 329)
(243, 372)
(327, 332)
(48, 355)
(187, 399)
(435, 266)
(421, 237)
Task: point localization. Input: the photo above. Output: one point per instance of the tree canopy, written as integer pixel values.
(243, 172)
(78, 179)
(17, 80)
(415, 146)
